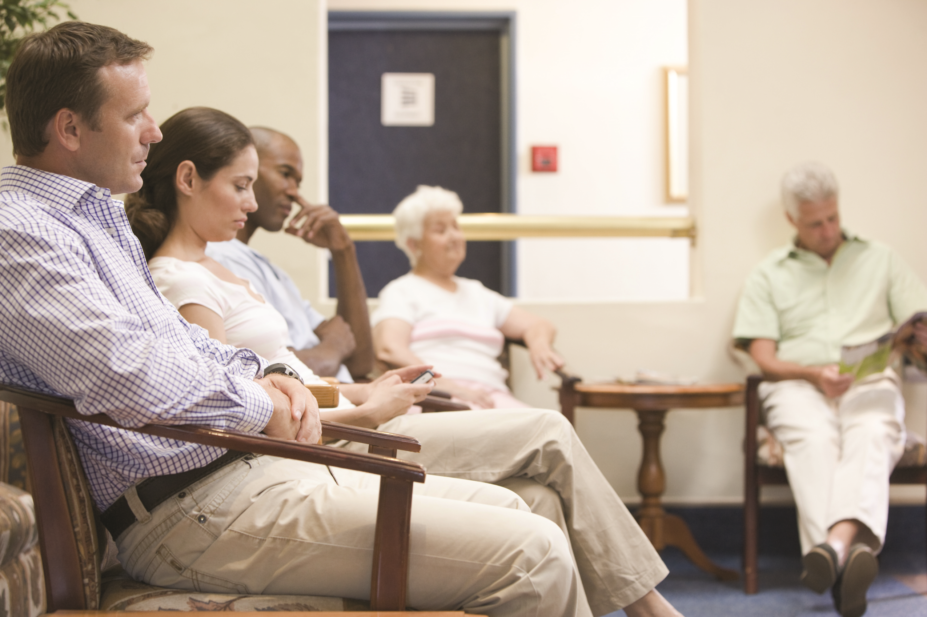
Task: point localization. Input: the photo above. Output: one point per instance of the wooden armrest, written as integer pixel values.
(440, 393)
(381, 439)
(326, 394)
(433, 403)
(236, 440)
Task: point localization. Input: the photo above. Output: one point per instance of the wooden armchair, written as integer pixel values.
(763, 466)
(72, 541)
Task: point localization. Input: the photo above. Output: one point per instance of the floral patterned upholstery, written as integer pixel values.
(769, 451)
(22, 585)
(125, 594)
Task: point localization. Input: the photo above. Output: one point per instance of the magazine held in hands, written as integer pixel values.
(864, 360)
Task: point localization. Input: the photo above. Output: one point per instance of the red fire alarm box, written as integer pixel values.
(543, 158)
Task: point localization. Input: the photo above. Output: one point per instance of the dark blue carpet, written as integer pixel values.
(719, 532)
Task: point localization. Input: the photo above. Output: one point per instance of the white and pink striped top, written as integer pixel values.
(456, 331)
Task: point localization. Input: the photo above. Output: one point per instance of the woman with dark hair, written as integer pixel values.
(197, 186)
(198, 189)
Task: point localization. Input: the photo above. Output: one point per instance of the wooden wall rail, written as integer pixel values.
(514, 226)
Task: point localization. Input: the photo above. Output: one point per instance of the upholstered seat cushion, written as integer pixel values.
(125, 594)
(769, 451)
(22, 582)
(18, 531)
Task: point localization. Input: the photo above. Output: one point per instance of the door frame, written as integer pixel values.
(502, 22)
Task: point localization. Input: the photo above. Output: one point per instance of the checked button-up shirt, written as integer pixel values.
(81, 317)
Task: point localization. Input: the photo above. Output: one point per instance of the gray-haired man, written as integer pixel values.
(841, 439)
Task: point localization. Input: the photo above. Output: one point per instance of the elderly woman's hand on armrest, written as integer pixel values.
(538, 335)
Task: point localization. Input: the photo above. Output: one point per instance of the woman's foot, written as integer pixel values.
(651, 605)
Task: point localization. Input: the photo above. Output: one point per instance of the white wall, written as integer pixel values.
(238, 57)
(589, 79)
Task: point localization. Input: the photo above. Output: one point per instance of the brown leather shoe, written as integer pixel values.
(849, 591)
(819, 568)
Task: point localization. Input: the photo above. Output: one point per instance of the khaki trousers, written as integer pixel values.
(274, 526)
(537, 454)
(838, 452)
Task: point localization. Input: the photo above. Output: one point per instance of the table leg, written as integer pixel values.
(569, 397)
(676, 533)
(661, 528)
(651, 478)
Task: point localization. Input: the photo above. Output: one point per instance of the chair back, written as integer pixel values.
(68, 535)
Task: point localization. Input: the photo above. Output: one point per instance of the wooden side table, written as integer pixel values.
(651, 403)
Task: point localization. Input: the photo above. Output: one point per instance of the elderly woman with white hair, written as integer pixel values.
(431, 316)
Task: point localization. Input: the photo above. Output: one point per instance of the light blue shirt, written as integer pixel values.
(278, 288)
(80, 317)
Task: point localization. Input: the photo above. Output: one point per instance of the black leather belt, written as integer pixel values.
(155, 491)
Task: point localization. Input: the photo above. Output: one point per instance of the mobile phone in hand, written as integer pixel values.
(423, 378)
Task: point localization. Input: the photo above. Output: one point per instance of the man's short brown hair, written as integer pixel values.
(59, 69)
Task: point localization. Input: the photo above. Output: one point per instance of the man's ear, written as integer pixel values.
(65, 128)
(185, 177)
(413, 245)
(790, 219)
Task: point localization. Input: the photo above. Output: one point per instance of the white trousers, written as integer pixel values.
(274, 526)
(537, 454)
(839, 453)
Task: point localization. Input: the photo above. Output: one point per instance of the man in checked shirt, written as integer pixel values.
(81, 317)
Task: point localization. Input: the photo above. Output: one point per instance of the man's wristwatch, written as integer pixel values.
(283, 369)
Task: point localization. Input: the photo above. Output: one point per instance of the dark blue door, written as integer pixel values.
(372, 167)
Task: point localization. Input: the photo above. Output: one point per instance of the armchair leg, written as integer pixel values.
(390, 578)
(751, 486)
(751, 533)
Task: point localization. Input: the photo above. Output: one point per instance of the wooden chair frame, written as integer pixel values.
(756, 476)
(60, 560)
(439, 400)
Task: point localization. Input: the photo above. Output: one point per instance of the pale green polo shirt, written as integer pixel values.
(812, 309)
